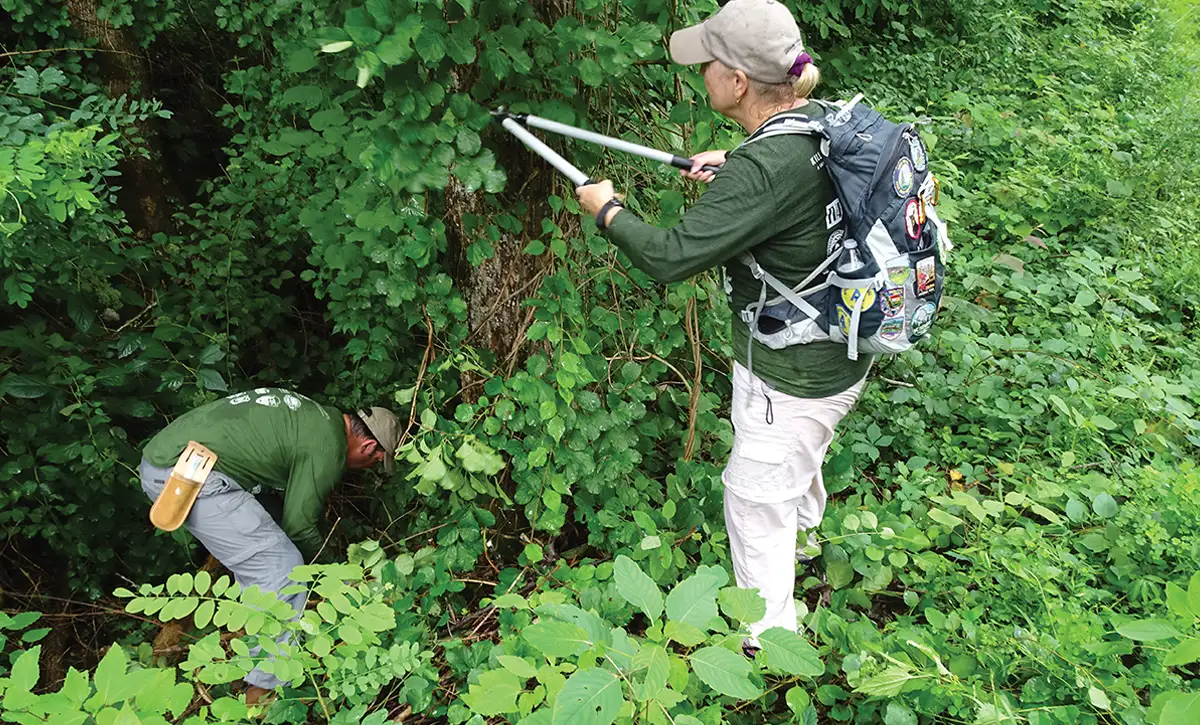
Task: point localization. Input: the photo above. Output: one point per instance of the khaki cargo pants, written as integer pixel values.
(238, 531)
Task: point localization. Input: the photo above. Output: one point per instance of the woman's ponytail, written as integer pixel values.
(810, 78)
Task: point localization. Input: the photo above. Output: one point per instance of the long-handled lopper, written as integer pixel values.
(515, 124)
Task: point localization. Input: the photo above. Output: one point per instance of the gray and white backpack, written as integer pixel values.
(880, 288)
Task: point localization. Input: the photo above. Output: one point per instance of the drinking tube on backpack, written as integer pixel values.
(545, 124)
(550, 155)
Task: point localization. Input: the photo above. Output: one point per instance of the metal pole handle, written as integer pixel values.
(550, 155)
(617, 144)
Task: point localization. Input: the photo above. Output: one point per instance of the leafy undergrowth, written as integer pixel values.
(1013, 535)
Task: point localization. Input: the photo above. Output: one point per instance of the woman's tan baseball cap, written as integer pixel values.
(758, 37)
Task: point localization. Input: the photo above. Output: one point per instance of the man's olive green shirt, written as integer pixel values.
(267, 437)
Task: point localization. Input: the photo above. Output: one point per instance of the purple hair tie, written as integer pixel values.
(798, 67)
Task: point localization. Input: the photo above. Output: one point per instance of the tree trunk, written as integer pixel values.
(145, 186)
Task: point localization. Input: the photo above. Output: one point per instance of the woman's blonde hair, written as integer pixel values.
(801, 87)
(808, 81)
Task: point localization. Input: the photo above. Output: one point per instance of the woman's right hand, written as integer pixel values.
(699, 161)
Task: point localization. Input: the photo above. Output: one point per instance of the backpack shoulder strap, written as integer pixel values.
(786, 124)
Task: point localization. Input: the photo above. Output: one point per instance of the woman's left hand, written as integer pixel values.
(594, 196)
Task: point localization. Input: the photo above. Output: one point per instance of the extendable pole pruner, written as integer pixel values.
(515, 124)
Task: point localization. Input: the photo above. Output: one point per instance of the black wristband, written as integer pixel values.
(608, 206)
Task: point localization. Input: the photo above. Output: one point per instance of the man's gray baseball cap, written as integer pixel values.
(758, 37)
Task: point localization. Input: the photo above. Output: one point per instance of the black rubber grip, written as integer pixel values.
(680, 162)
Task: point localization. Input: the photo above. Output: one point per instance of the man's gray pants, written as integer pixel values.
(238, 531)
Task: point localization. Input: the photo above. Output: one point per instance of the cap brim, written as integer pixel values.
(389, 464)
(687, 46)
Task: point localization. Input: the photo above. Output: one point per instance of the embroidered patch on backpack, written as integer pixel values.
(902, 178)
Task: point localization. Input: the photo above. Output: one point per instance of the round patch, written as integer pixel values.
(850, 297)
(892, 328)
(912, 219)
(902, 177)
(835, 241)
(922, 320)
(917, 150)
(844, 321)
(292, 402)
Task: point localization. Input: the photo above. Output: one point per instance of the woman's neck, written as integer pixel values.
(755, 119)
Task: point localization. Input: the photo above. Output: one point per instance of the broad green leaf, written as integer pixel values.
(694, 600)
(1185, 653)
(375, 617)
(557, 639)
(684, 633)
(201, 582)
(944, 518)
(743, 605)
(1177, 601)
(204, 613)
(510, 600)
(210, 354)
(992, 714)
(1076, 511)
(25, 386)
(495, 694)
(336, 47)
(30, 636)
(589, 72)
(1193, 594)
(25, 671)
(598, 631)
(725, 672)
(537, 717)
(1104, 506)
(636, 588)
(110, 680)
(798, 699)
(897, 713)
(590, 697)
(1183, 709)
(299, 61)
(788, 651)
(654, 660)
(349, 633)
(519, 666)
(839, 574)
(76, 687)
(129, 717)
(1099, 699)
(210, 379)
(888, 683)
(1147, 630)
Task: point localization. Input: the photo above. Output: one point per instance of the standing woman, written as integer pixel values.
(770, 198)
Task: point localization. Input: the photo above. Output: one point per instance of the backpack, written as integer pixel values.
(883, 278)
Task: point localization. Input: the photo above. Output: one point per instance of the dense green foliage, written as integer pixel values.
(1016, 525)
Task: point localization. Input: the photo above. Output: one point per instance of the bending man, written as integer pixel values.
(268, 439)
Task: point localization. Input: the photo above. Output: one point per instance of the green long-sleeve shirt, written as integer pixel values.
(771, 199)
(267, 437)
